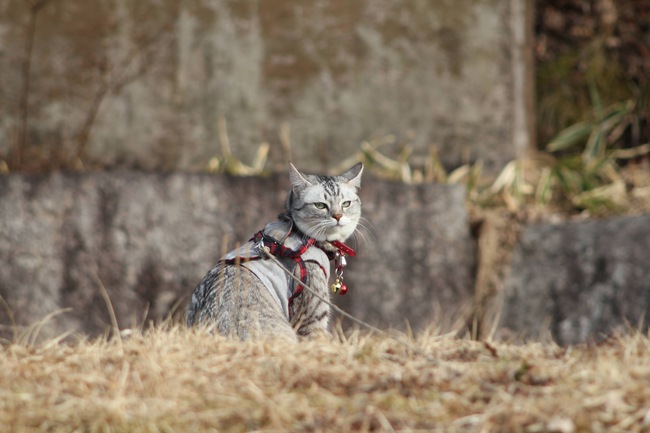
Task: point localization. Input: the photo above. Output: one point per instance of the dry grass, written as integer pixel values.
(175, 380)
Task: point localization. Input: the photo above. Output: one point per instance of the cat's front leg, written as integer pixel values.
(310, 315)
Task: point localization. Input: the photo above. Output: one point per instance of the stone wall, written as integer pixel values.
(159, 84)
(69, 241)
(579, 281)
(146, 240)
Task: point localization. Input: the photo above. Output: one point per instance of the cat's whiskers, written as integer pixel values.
(318, 230)
(365, 225)
(363, 232)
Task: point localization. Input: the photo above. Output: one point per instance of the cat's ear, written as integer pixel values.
(353, 175)
(298, 181)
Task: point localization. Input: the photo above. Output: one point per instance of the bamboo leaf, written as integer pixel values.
(614, 116)
(458, 174)
(544, 189)
(594, 94)
(633, 152)
(595, 146)
(570, 136)
(607, 197)
(506, 178)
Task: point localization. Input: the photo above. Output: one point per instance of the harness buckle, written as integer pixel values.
(263, 249)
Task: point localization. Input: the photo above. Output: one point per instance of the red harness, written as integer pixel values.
(279, 250)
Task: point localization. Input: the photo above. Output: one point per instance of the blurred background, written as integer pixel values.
(188, 85)
(321, 75)
(418, 88)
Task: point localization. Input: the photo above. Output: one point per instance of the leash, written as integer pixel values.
(266, 252)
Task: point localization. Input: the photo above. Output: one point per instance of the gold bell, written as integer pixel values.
(336, 286)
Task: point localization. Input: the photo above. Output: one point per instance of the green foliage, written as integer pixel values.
(585, 96)
(578, 170)
(583, 157)
(566, 83)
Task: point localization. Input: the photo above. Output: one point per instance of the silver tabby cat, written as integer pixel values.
(247, 295)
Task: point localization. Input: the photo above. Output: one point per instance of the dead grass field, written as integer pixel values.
(176, 380)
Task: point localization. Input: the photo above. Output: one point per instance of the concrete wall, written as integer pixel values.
(152, 83)
(148, 239)
(579, 281)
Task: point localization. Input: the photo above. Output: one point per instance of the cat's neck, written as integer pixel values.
(327, 246)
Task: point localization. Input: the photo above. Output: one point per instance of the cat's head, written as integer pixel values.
(326, 208)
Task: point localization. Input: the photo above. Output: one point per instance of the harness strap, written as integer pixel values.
(279, 250)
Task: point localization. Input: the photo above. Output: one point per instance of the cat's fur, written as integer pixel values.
(232, 297)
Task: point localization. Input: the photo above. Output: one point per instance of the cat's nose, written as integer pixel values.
(337, 216)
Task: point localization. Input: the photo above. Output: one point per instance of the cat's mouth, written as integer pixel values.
(339, 232)
(328, 230)
(338, 225)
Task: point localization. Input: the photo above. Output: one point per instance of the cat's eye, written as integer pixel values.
(346, 203)
(319, 205)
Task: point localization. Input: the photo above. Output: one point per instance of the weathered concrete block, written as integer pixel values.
(579, 281)
(148, 239)
(102, 75)
(419, 267)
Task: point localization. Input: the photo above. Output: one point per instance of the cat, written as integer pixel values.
(249, 296)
